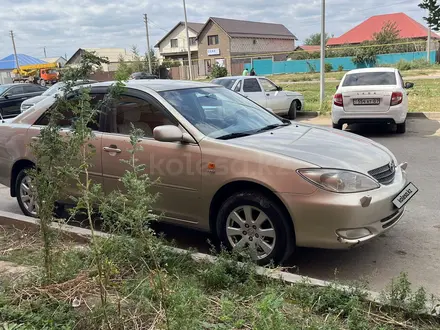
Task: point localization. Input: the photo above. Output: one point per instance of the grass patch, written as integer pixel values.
(223, 295)
(422, 98)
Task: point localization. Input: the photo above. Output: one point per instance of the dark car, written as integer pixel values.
(143, 75)
(12, 95)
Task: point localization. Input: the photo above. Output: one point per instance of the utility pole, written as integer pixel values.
(45, 52)
(15, 51)
(322, 76)
(428, 45)
(148, 44)
(188, 43)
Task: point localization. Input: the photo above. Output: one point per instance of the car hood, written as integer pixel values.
(34, 100)
(321, 147)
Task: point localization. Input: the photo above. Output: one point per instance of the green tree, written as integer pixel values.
(389, 34)
(433, 18)
(315, 39)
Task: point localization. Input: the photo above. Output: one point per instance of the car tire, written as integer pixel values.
(24, 179)
(292, 109)
(401, 128)
(337, 126)
(43, 82)
(279, 241)
(26, 201)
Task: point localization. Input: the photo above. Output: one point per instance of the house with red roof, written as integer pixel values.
(408, 29)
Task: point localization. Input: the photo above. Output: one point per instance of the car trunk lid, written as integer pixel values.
(367, 98)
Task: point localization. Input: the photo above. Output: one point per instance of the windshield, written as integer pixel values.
(228, 83)
(370, 78)
(221, 113)
(55, 88)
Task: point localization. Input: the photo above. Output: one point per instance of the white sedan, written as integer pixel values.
(373, 95)
(264, 92)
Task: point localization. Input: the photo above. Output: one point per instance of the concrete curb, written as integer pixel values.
(411, 115)
(82, 235)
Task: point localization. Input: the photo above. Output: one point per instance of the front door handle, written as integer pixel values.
(268, 94)
(112, 148)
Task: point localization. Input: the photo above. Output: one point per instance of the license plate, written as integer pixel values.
(366, 101)
(405, 195)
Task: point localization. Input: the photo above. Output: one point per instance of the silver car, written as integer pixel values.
(228, 166)
(49, 92)
(266, 93)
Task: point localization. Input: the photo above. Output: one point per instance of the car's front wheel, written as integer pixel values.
(26, 197)
(401, 128)
(292, 110)
(250, 220)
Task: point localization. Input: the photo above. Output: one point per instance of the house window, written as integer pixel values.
(212, 40)
(174, 43)
(192, 41)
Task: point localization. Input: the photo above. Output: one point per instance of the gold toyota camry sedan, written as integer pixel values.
(228, 166)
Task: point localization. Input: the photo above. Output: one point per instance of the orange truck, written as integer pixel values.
(42, 74)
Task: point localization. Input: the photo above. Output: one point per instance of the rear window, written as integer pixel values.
(370, 78)
(228, 83)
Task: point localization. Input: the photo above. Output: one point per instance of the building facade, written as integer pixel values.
(232, 43)
(174, 45)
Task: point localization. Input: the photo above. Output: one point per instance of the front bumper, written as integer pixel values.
(396, 114)
(320, 218)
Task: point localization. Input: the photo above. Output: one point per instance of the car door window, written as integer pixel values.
(67, 117)
(140, 113)
(251, 86)
(268, 86)
(238, 87)
(30, 88)
(17, 90)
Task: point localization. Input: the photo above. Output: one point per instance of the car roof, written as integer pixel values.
(11, 85)
(159, 85)
(373, 70)
(240, 77)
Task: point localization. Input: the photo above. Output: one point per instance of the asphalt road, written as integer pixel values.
(412, 246)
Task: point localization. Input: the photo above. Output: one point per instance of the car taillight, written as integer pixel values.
(338, 100)
(396, 98)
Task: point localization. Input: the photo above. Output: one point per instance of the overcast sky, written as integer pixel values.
(64, 26)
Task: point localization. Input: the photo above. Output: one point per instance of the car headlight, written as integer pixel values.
(339, 181)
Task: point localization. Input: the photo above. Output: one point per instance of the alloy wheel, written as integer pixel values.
(28, 196)
(249, 227)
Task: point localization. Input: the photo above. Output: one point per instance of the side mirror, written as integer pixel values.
(279, 88)
(409, 85)
(337, 86)
(7, 95)
(167, 133)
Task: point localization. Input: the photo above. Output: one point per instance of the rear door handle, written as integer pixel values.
(267, 94)
(112, 149)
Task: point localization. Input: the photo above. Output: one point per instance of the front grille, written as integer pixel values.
(384, 174)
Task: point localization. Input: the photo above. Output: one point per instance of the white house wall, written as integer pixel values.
(179, 34)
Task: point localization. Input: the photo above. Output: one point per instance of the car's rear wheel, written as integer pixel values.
(401, 128)
(337, 126)
(250, 220)
(26, 197)
(292, 110)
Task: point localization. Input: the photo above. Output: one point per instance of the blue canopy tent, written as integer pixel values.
(8, 63)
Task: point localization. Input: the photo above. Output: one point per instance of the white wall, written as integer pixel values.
(179, 34)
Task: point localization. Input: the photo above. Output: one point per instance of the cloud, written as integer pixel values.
(64, 26)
